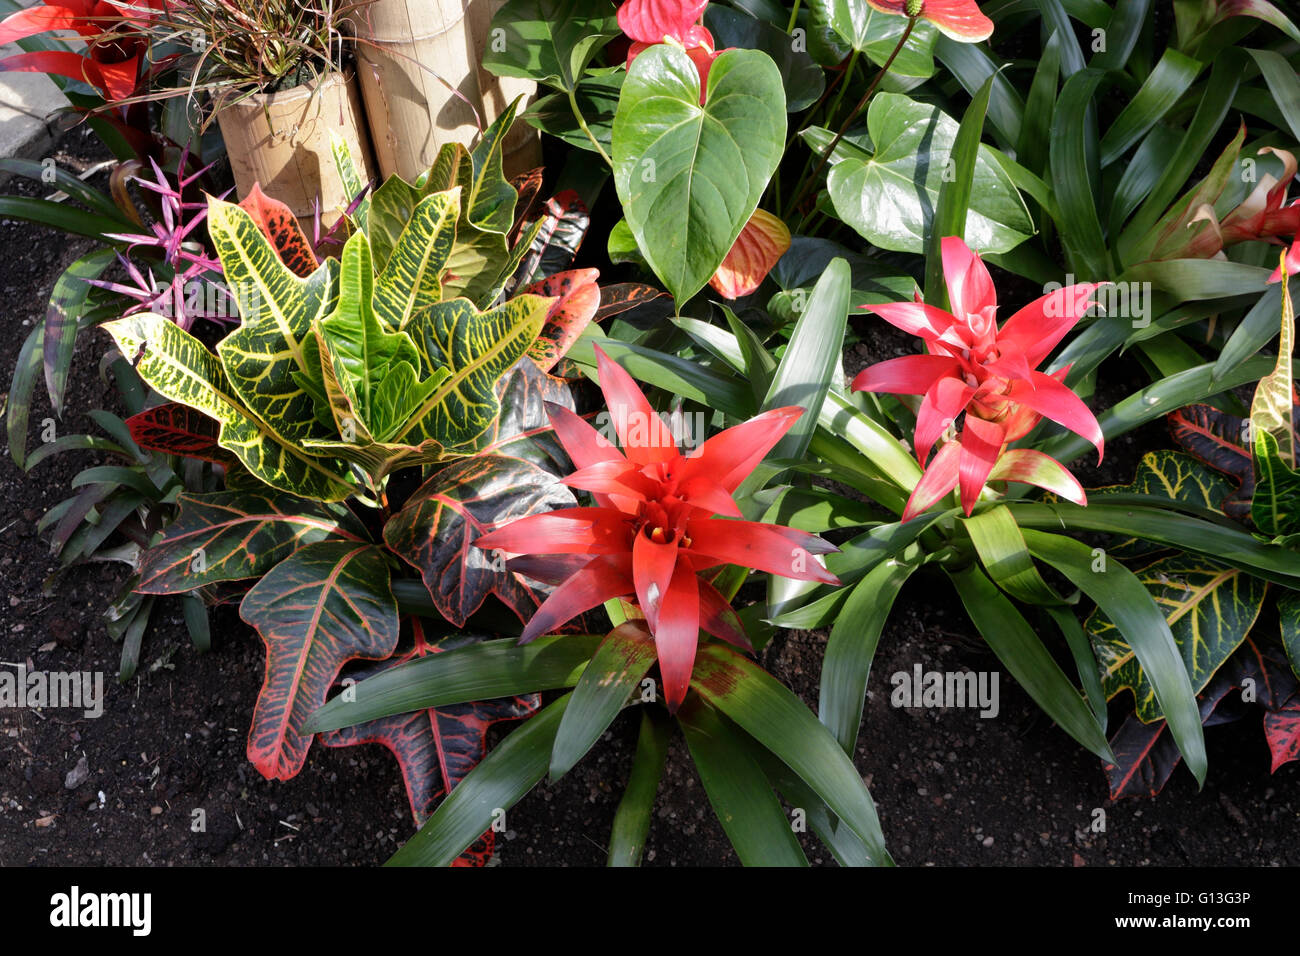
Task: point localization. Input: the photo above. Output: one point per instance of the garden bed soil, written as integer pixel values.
(952, 788)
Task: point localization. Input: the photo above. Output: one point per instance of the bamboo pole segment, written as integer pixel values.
(282, 140)
(408, 52)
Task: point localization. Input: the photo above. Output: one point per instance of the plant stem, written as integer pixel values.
(794, 17)
(844, 88)
(844, 127)
(577, 114)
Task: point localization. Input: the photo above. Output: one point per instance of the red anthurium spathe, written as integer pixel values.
(959, 19)
(650, 21)
(656, 526)
(762, 242)
(988, 373)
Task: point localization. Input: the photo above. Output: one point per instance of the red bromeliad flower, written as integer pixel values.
(959, 19)
(988, 373)
(653, 528)
(115, 49)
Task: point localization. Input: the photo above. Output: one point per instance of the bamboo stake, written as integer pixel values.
(406, 46)
(282, 140)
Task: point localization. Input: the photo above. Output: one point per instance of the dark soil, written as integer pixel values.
(952, 788)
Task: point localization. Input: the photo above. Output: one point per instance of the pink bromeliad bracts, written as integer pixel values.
(988, 374)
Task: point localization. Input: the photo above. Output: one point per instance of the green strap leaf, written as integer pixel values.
(616, 668)
(739, 792)
(1122, 596)
(780, 721)
(632, 818)
(480, 671)
(851, 647)
(1007, 632)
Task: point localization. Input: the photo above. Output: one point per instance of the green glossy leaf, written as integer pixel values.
(890, 198)
(1072, 159)
(851, 647)
(738, 791)
(500, 668)
(1022, 652)
(804, 375)
(616, 668)
(632, 818)
(550, 41)
(1165, 85)
(1122, 596)
(690, 176)
(877, 34)
(67, 303)
(779, 721)
(19, 400)
(803, 78)
(955, 192)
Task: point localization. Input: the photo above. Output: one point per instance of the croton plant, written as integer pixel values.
(436, 457)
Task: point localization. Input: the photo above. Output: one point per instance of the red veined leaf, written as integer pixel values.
(326, 604)
(436, 530)
(622, 296)
(564, 225)
(527, 185)
(231, 535)
(437, 747)
(523, 429)
(577, 297)
(1147, 754)
(282, 230)
(1216, 439)
(176, 429)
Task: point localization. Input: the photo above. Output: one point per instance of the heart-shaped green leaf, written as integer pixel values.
(689, 176)
(550, 41)
(890, 198)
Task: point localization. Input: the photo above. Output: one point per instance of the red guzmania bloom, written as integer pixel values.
(113, 58)
(988, 373)
(653, 527)
(959, 19)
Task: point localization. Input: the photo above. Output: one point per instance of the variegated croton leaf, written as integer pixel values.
(236, 535)
(479, 262)
(176, 429)
(438, 746)
(437, 529)
(1147, 754)
(326, 604)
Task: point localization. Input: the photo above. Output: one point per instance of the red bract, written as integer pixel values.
(959, 19)
(650, 21)
(988, 373)
(112, 61)
(653, 529)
